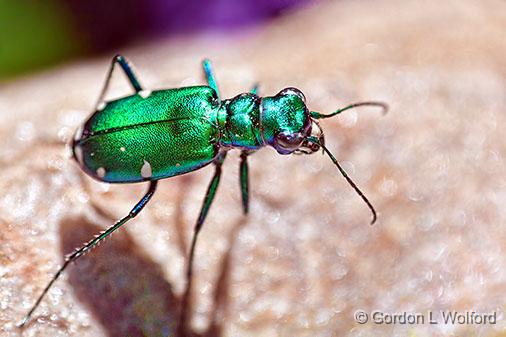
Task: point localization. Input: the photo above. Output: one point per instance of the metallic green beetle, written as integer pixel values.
(152, 135)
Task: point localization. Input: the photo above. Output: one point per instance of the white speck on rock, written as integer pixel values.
(388, 187)
(79, 154)
(25, 131)
(79, 133)
(146, 171)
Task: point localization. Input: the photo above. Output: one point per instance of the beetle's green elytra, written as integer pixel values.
(152, 135)
(148, 137)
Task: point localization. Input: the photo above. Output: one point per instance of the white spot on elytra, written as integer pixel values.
(122, 149)
(101, 106)
(101, 172)
(146, 170)
(79, 154)
(144, 93)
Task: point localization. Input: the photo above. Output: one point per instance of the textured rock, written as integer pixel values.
(305, 259)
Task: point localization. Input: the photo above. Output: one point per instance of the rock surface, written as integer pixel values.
(305, 259)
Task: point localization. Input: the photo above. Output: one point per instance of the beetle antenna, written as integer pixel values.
(345, 175)
(381, 105)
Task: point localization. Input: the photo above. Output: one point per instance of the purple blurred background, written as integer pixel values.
(35, 34)
(108, 24)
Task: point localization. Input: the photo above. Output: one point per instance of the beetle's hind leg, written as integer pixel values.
(211, 78)
(208, 200)
(92, 243)
(132, 78)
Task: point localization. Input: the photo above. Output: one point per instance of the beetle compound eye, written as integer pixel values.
(287, 142)
(293, 91)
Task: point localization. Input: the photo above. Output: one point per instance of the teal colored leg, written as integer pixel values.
(211, 79)
(123, 63)
(92, 243)
(208, 200)
(254, 90)
(243, 173)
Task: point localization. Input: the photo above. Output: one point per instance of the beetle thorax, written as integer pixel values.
(240, 122)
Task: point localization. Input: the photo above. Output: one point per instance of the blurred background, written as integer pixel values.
(35, 35)
(305, 259)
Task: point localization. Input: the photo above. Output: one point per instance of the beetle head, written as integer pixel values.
(286, 122)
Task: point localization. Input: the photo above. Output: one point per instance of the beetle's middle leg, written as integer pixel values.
(244, 180)
(243, 169)
(208, 199)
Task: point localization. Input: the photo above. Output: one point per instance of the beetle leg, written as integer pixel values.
(123, 62)
(244, 180)
(211, 191)
(211, 79)
(208, 199)
(254, 90)
(91, 244)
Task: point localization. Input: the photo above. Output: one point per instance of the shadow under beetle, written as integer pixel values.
(152, 135)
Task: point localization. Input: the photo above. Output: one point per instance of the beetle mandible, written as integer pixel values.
(152, 135)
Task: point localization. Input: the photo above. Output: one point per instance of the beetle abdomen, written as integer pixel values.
(140, 137)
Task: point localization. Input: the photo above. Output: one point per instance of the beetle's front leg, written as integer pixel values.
(244, 180)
